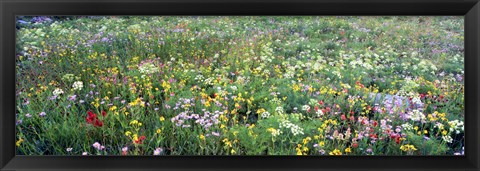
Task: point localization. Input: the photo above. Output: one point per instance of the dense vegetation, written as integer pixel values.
(240, 85)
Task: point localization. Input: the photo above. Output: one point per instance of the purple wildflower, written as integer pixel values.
(72, 97)
(53, 97)
(98, 146)
(157, 151)
(216, 134)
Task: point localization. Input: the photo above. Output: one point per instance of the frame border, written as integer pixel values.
(470, 9)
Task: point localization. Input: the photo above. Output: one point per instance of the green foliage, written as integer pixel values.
(251, 85)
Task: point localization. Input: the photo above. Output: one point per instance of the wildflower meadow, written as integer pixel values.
(240, 85)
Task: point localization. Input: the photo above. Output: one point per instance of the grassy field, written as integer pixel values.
(240, 85)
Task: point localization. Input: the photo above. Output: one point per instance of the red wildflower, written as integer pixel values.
(375, 123)
(355, 145)
(98, 123)
(92, 118)
(140, 139)
(316, 108)
(320, 102)
(352, 118)
(397, 139)
(364, 122)
(343, 117)
(422, 95)
(104, 113)
(360, 84)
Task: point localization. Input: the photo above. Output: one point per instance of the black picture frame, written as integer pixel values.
(11, 8)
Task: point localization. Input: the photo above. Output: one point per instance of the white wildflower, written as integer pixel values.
(279, 110)
(57, 92)
(148, 68)
(456, 126)
(77, 85)
(305, 107)
(416, 115)
(407, 127)
(265, 114)
(294, 129)
(447, 138)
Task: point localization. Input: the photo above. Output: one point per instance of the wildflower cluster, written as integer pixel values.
(294, 129)
(92, 118)
(251, 85)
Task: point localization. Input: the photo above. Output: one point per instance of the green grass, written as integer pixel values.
(226, 85)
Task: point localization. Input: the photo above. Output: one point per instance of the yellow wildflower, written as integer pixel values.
(133, 122)
(444, 132)
(260, 111)
(335, 152)
(408, 148)
(113, 108)
(135, 137)
(295, 87)
(306, 140)
(348, 150)
(299, 152)
(19, 142)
